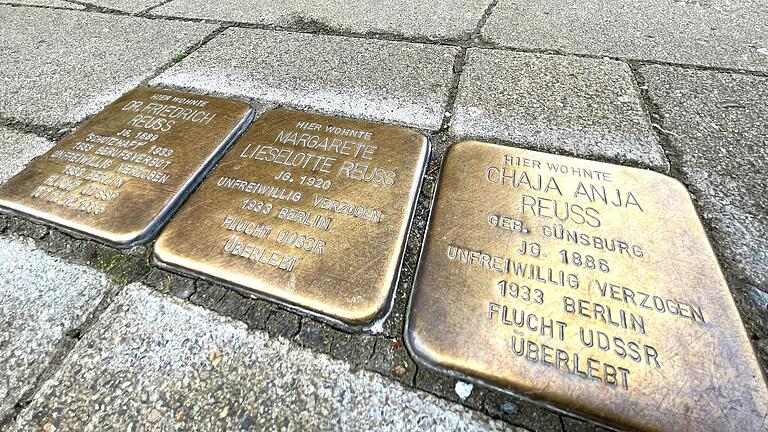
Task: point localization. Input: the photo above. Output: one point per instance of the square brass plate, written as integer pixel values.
(588, 286)
(308, 210)
(120, 175)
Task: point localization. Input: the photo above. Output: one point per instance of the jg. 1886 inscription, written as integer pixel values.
(308, 210)
(119, 176)
(587, 285)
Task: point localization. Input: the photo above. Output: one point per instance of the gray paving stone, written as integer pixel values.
(41, 298)
(585, 107)
(154, 363)
(719, 128)
(454, 19)
(51, 3)
(398, 82)
(79, 62)
(722, 33)
(17, 149)
(132, 6)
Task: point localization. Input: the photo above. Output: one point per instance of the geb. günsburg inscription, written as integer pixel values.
(119, 176)
(308, 210)
(588, 286)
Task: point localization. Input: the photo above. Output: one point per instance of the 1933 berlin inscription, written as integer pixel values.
(587, 285)
(119, 176)
(308, 210)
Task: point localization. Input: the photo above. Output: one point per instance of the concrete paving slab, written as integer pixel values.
(398, 82)
(441, 19)
(50, 3)
(133, 6)
(585, 107)
(41, 298)
(46, 78)
(718, 125)
(721, 33)
(17, 150)
(155, 363)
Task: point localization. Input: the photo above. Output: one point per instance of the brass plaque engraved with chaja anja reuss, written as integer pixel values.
(120, 175)
(307, 210)
(587, 286)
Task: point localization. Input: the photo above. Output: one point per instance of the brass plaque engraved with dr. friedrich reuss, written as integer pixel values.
(307, 210)
(120, 175)
(588, 286)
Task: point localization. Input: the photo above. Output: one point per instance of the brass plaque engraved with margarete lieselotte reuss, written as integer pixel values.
(120, 175)
(588, 286)
(308, 210)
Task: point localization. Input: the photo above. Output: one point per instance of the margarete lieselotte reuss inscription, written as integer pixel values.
(308, 210)
(120, 175)
(588, 286)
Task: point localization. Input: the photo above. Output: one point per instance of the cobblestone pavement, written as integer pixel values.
(93, 338)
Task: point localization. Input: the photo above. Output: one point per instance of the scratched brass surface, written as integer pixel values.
(119, 176)
(273, 218)
(496, 301)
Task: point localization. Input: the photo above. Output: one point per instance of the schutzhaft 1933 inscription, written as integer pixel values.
(119, 176)
(309, 210)
(586, 285)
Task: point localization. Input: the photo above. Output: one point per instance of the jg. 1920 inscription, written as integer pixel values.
(587, 285)
(119, 176)
(309, 210)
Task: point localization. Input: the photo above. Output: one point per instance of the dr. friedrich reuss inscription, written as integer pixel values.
(120, 175)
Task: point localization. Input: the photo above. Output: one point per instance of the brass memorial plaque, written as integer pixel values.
(120, 175)
(308, 210)
(589, 286)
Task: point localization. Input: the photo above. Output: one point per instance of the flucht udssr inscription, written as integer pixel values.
(308, 210)
(585, 285)
(119, 176)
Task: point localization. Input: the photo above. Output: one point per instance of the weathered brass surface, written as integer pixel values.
(588, 286)
(119, 176)
(308, 210)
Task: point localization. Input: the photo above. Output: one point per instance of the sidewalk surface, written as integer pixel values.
(92, 338)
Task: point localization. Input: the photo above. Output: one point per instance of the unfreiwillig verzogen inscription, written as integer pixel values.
(119, 176)
(586, 285)
(308, 210)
